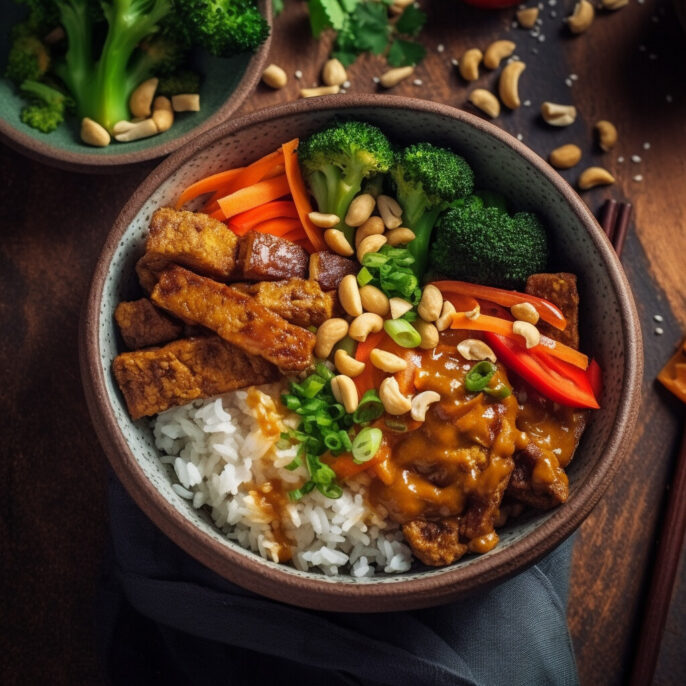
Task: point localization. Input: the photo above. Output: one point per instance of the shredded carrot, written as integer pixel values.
(207, 185)
(253, 196)
(259, 170)
(503, 327)
(279, 227)
(366, 380)
(299, 193)
(271, 210)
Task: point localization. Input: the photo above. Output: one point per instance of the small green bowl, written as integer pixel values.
(225, 85)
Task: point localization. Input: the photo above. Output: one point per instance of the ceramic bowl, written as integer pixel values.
(225, 85)
(610, 333)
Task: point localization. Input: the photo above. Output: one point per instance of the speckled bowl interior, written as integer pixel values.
(609, 333)
(225, 85)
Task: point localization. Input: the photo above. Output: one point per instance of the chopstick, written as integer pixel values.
(614, 218)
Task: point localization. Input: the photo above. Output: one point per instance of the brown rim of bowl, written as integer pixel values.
(250, 572)
(84, 162)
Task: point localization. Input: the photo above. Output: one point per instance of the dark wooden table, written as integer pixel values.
(629, 68)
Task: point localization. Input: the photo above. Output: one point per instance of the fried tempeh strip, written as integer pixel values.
(329, 269)
(263, 257)
(159, 378)
(235, 316)
(561, 290)
(300, 301)
(141, 324)
(435, 543)
(191, 239)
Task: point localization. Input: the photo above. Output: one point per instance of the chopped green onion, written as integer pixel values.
(323, 371)
(347, 344)
(409, 316)
(500, 391)
(346, 443)
(294, 464)
(333, 442)
(402, 332)
(374, 260)
(336, 411)
(290, 401)
(366, 444)
(395, 424)
(369, 408)
(331, 490)
(479, 375)
(312, 385)
(364, 276)
(300, 492)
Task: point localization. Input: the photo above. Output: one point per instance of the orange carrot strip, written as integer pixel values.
(253, 196)
(258, 170)
(367, 380)
(546, 310)
(270, 210)
(278, 226)
(300, 195)
(503, 327)
(207, 185)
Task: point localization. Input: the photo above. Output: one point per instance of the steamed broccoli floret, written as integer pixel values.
(47, 108)
(427, 178)
(337, 160)
(28, 58)
(184, 81)
(486, 245)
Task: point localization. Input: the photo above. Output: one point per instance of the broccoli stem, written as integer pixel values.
(419, 246)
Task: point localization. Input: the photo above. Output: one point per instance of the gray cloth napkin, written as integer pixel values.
(165, 618)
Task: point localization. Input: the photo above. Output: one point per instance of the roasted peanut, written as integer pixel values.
(474, 349)
(370, 244)
(420, 404)
(394, 76)
(393, 400)
(140, 102)
(186, 102)
(431, 303)
(399, 307)
(527, 331)
(323, 220)
(607, 134)
(386, 361)
(328, 334)
(274, 76)
(372, 227)
(335, 239)
(613, 4)
(525, 312)
(582, 17)
(143, 129)
(362, 326)
(401, 236)
(595, 176)
(360, 209)
(374, 300)
(345, 392)
(429, 334)
(508, 85)
(390, 211)
(349, 295)
(321, 90)
(123, 126)
(496, 52)
(485, 101)
(333, 73)
(446, 318)
(469, 64)
(347, 364)
(162, 113)
(94, 134)
(565, 156)
(527, 17)
(558, 115)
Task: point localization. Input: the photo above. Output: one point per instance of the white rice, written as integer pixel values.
(220, 456)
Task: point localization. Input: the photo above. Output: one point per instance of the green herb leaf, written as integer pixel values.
(411, 21)
(369, 24)
(325, 14)
(349, 5)
(277, 7)
(404, 53)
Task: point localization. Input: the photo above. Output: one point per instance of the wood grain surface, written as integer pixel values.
(629, 68)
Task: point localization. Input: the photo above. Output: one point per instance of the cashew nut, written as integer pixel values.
(394, 402)
(613, 4)
(508, 86)
(274, 76)
(94, 134)
(446, 318)
(474, 313)
(336, 240)
(347, 364)
(186, 102)
(394, 76)
(323, 220)
(607, 134)
(390, 211)
(496, 52)
(399, 307)
(316, 92)
(469, 64)
(372, 227)
(162, 113)
(370, 244)
(333, 73)
(582, 17)
(387, 362)
(527, 17)
(140, 102)
(360, 209)
(363, 325)
(431, 303)
(349, 295)
(143, 129)
(527, 331)
(525, 312)
(328, 334)
(595, 176)
(420, 404)
(558, 115)
(345, 392)
(429, 334)
(565, 156)
(475, 349)
(485, 101)
(400, 236)
(374, 300)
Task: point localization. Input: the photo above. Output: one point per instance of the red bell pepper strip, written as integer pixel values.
(561, 382)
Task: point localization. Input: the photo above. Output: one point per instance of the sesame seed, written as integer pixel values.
(641, 2)
(635, 159)
(646, 146)
(342, 90)
(568, 82)
(454, 62)
(574, 77)
(620, 159)
(654, 19)
(440, 47)
(658, 318)
(541, 38)
(553, 14)
(527, 103)
(638, 177)
(539, 21)
(514, 24)
(298, 74)
(642, 48)
(652, 56)
(417, 82)
(375, 79)
(346, 84)
(659, 331)
(520, 137)
(535, 31)
(534, 51)
(669, 98)
(540, 5)
(552, 3)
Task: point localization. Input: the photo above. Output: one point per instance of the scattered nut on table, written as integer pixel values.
(469, 64)
(508, 86)
(321, 90)
(496, 52)
(485, 101)
(558, 115)
(613, 4)
(565, 156)
(595, 176)
(607, 134)
(393, 77)
(333, 73)
(582, 17)
(274, 76)
(527, 17)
